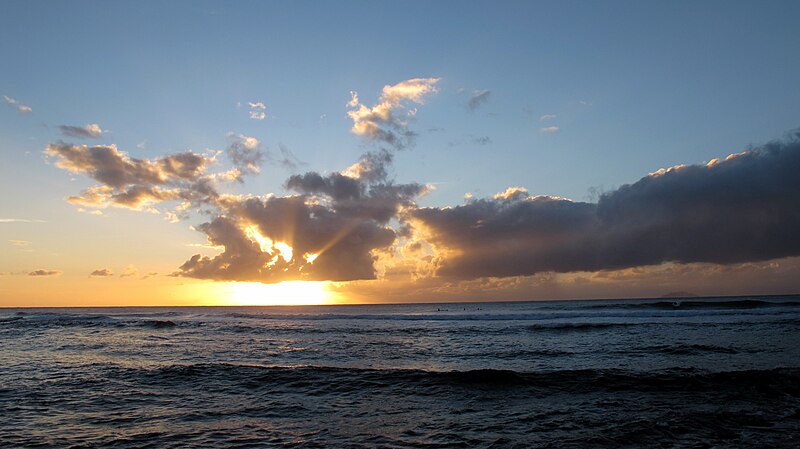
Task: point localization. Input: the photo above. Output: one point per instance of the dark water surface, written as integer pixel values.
(695, 373)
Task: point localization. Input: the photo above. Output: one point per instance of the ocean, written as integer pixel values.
(694, 373)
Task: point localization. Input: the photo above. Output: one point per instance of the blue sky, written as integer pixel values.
(667, 83)
(633, 87)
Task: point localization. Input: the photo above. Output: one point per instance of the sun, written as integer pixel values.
(289, 293)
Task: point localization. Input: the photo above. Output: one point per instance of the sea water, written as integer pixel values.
(713, 372)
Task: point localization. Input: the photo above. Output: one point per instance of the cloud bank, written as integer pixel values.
(743, 208)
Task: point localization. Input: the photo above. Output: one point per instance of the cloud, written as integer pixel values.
(470, 140)
(246, 155)
(329, 231)
(380, 123)
(129, 271)
(547, 117)
(276, 239)
(740, 209)
(101, 272)
(20, 220)
(21, 108)
(478, 99)
(332, 227)
(134, 183)
(358, 223)
(41, 272)
(257, 110)
(287, 159)
(90, 131)
(19, 242)
(549, 130)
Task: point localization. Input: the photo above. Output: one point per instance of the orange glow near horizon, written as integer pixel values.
(289, 293)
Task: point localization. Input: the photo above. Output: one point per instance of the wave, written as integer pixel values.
(773, 381)
(578, 327)
(698, 305)
(688, 349)
(66, 320)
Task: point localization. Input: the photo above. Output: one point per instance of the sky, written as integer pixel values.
(218, 153)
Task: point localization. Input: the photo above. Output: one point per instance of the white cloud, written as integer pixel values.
(23, 109)
(257, 110)
(379, 123)
(547, 117)
(549, 129)
(20, 220)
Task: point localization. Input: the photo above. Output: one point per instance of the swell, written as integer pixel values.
(682, 304)
(778, 381)
(688, 349)
(89, 321)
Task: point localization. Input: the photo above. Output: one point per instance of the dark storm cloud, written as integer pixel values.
(743, 208)
(478, 99)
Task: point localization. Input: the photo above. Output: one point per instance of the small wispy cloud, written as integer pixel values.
(129, 271)
(470, 140)
(41, 272)
(478, 99)
(21, 108)
(257, 110)
(287, 159)
(19, 242)
(90, 131)
(547, 117)
(101, 272)
(90, 211)
(20, 220)
(549, 130)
